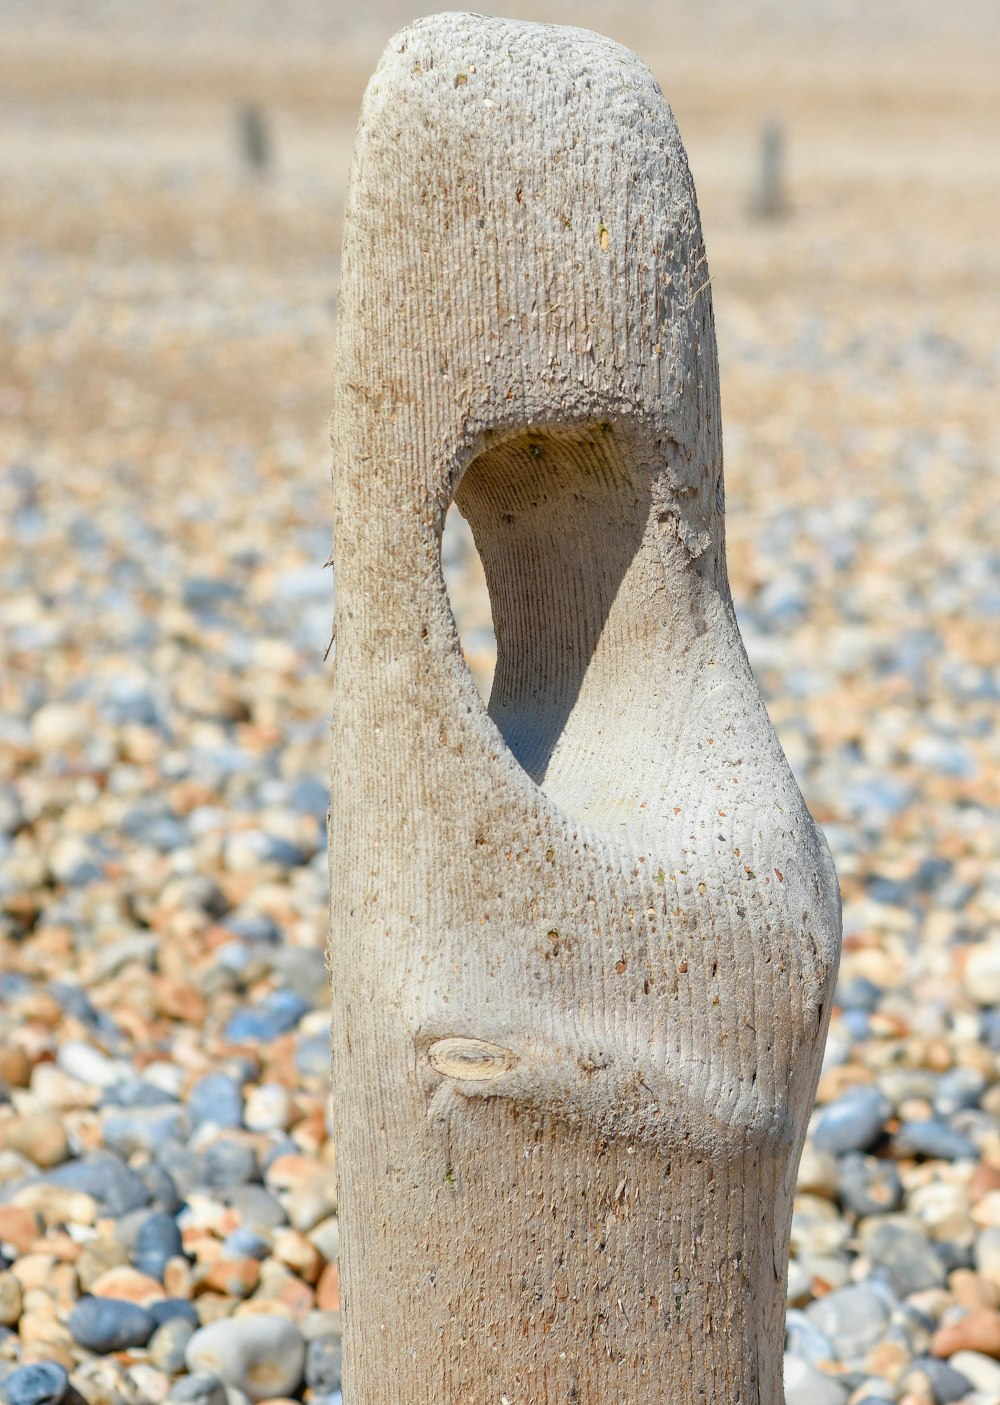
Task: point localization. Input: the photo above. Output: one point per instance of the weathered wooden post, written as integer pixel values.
(584, 943)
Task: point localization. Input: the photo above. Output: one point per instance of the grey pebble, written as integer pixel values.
(276, 1014)
(257, 1206)
(805, 1385)
(225, 1163)
(42, 1383)
(853, 1318)
(323, 1360)
(312, 1056)
(116, 1187)
(310, 796)
(858, 994)
(158, 1240)
(174, 1309)
(199, 1388)
(987, 1252)
(136, 1092)
(11, 811)
(102, 1380)
(805, 1340)
(934, 1138)
(145, 1129)
(205, 592)
(109, 1324)
(216, 1098)
(137, 946)
(168, 1344)
(246, 1242)
(76, 1002)
(160, 1184)
(947, 1384)
(958, 1089)
(911, 1328)
(181, 1165)
(303, 971)
(281, 1145)
(867, 1185)
(130, 700)
(253, 927)
(853, 1121)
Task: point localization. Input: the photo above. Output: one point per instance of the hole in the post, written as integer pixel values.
(469, 599)
(572, 558)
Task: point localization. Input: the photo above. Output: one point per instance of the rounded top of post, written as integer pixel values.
(450, 33)
(523, 249)
(476, 67)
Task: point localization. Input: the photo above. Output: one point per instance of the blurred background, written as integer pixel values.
(173, 179)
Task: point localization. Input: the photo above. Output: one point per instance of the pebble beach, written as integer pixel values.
(168, 1213)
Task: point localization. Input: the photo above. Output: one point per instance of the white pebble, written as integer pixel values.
(262, 1355)
(268, 1108)
(804, 1385)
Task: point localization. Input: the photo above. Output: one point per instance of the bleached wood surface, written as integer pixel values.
(583, 945)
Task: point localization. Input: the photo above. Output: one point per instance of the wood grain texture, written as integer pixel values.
(583, 944)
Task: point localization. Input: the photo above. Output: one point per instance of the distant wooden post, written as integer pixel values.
(770, 201)
(254, 138)
(583, 943)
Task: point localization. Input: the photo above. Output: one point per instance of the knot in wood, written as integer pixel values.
(470, 1059)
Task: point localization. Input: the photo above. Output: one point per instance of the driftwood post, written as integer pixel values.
(584, 943)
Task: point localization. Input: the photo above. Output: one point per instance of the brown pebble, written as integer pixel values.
(41, 1327)
(96, 1258)
(65, 1249)
(34, 1352)
(212, 1306)
(297, 1296)
(18, 1228)
(65, 1286)
(201, 1243)
(280, 1057)
(296, 1252)
(41, 1007)
(15, 1066)
(38, 1301)
(287, 1172)
(33, 1270)
(264, 1307)
(310, 1132)
(38, 1135)
(11, 1299)
(129, 1285)
(839, 1079)
(979, 1331)
(177, 1279)
(888, 1360)
(969, 1290)
(938, 1056)
(234, 1277)
(179, 1000)
(56, 1205)
(328, 1289)
(985, 1178)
